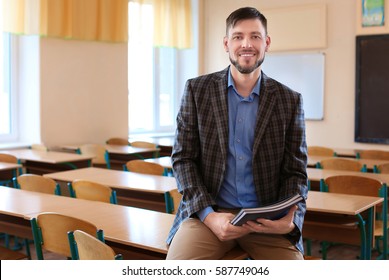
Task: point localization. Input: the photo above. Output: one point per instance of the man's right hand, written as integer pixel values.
(220, 224)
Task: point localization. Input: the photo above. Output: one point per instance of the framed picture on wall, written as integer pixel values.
(372, 16)
(373, 13)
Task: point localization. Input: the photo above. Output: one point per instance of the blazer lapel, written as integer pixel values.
(267, 100)
(219, 106)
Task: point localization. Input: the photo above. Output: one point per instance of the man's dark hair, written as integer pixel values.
(245, 13)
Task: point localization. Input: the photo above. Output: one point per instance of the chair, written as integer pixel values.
(145, 144)
(8, 175)
(172, 200)
(92, 191)
(382, 168)
(39, 147)
(341, 164)
(87, 247)
(99, 152)
(358, 185)
(118, 141)
(373, 154)
(37, 183)
(144, 167)
(320, 151)
(50, 232)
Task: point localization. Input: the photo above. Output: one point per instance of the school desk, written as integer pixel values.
(40, 162)
(132, 189)
(322, 205)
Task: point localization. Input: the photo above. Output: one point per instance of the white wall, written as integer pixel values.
(84, 92)
(337, 128)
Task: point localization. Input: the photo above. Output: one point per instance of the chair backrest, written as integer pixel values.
(88, 247)
(144, 167)
(118, 141)
(341, 164)
(89, 190)
(50, 232)
(8, 158)
(320, 151)
(357, 185)
(383, 168)
(373, 154)
(99, 153)
(143, 144)
(37, 183)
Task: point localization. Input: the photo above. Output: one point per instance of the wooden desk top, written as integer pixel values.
(46, 156)
(164, 161)
(126, 225)
(370, 163)
(316, 174)
(9, 166)
(340, 203)
(118, 179)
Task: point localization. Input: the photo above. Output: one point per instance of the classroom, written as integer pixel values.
(68, 91)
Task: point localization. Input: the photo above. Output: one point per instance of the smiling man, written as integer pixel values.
(240, 143)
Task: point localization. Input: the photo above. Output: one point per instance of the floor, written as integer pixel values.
(335, 252)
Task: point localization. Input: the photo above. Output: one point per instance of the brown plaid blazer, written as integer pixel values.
(200, 150)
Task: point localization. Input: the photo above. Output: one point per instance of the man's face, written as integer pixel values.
(246, 44)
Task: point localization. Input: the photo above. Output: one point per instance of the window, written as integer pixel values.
(155, 75)
(7, 101)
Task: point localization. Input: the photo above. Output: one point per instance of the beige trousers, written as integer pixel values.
(195, 241)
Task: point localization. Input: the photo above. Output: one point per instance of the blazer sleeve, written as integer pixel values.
(294, 176)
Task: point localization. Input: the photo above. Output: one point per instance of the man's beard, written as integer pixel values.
(249, 69)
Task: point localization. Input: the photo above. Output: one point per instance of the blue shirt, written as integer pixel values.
(238, 190)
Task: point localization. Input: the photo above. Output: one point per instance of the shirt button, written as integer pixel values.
(240, 158)
(240, 120)
(238, 140)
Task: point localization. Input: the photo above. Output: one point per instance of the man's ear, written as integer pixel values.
(225, 43)
(268, 42)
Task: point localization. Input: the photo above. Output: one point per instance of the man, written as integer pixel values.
(240, 142)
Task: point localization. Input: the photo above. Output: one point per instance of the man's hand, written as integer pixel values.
(281, 226)
(220, 225)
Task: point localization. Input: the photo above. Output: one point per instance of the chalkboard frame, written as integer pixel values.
(372, 83)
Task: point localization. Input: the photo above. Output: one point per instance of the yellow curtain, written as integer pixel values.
(172, 22)
(101, 20)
